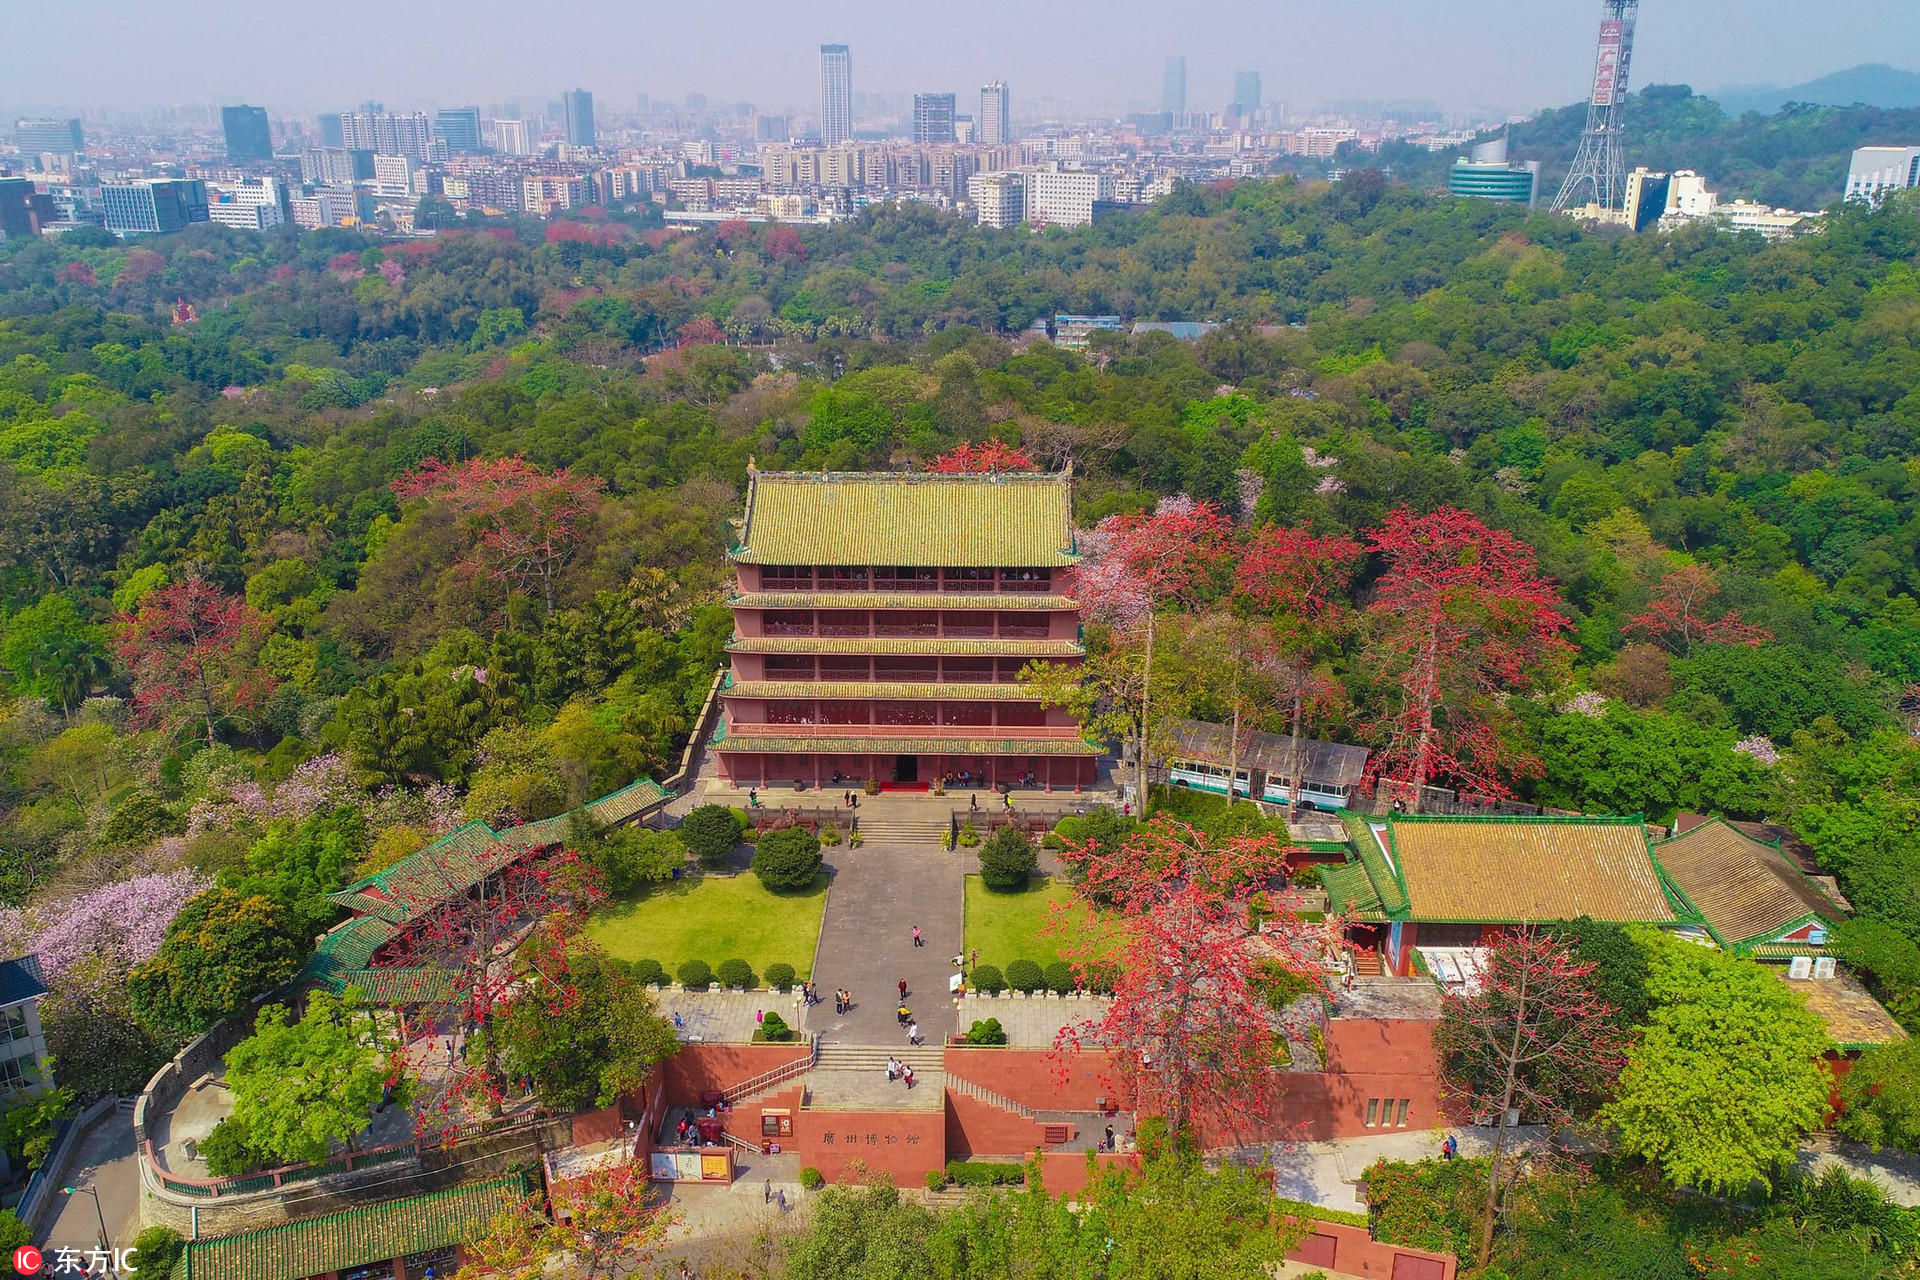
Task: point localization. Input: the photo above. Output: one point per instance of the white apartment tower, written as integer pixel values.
(996, 128)
(1064, 197)
(836, 94)
(1877, 170)
(999, 199)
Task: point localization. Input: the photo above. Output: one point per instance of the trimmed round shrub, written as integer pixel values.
(1007, 861)
(987, 1033)
(989, 979)
(648, 973)
(1060, 977)
(812, 1179)
(694, 975)
(774, 1027)
(710, 832)
(787, 860)
(936, 1179)
(1025, 975)
(780, 976)
(736, 973)
(830, 835)
(968, 836)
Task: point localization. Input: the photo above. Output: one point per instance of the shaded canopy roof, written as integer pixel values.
(1521, 870)
(1747, 890)
(1331, 763)
(355, 1237)
(887, 518)
(21, 980)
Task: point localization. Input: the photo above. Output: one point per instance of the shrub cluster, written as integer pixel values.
(787, 860)
(989, 979)
(1060, 977)
(1007, 861)
(985, 1173)
(694, 975)
(736, 973)
(1025, 976)
(774, 1027)
(989, 1032)
(812, 1179)
(780, 976)
(710, 832)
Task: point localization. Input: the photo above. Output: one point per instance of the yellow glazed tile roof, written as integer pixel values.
(1745, 889)
(862, 689)
(895, 648)
(883, 518)
(899, 600)
(854, 741)
(1498, 870)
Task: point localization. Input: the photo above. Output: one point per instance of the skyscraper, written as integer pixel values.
(1173, 89)
(513, 137)
(996, 128)
(389, 134)
(61, 137)
(458, 127)
(932, 117)
(248, 137)
(578, 105)
(836, 94)
(153, 204)
(1246, 93)
(332, 131)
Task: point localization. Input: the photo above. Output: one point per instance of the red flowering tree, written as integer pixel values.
(1189, 1029)
(471, 953)
(187, 648)
(1302, 580)
(1133, 566)
(1460, 619)
(989, 457)
(606, 1225)
(785, 243)
(1533, 1035)
(76, 273)
(1675, 619)
(701, 331)
(527, 523)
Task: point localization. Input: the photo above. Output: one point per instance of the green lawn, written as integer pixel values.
(714, 918)
(1005, 927)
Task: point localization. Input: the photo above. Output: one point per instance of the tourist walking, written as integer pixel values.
(906, 1073)
(973, 803)
(918, 941)
(905, 1015)
(903, 991)
(913, 1032)
(893, 1068)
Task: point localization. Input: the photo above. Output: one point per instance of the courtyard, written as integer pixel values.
(713, 918)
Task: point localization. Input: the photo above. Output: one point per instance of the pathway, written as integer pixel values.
(880, 891)
(105, 1162)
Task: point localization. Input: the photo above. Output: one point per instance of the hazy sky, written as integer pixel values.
(1081, 54)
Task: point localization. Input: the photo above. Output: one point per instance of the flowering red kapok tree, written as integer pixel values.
(1133, 566)
(527, 523)
(1189, 1030)
(475, 949)
(1303, 581)
(989, 457)
(186, 646)
(606, 1225)
(1673, 617)
(1460, 619)
(1533, 1034)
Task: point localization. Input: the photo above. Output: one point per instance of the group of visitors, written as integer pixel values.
(842, 1000)
(898, 1070)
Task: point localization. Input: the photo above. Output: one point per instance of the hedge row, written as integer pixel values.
(1028, 976)
(697, 975)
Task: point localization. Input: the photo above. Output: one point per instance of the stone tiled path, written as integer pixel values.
(730, 1016)
(1032, 1022)
(879, 893)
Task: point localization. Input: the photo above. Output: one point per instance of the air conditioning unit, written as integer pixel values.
(1823, 968)
(1800, 967)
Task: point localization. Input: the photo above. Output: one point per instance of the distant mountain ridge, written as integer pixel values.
(1871, 84)
(1795, 157)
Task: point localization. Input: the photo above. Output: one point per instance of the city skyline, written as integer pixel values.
(1503, 54)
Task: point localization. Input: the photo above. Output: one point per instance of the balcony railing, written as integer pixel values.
(1035, 732)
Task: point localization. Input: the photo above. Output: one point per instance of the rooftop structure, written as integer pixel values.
(1852, 1016)
(1201, 754)
(881, 624)
(1752, 897)
(1486, 175)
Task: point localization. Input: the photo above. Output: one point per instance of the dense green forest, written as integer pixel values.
(247, 642)
(1794, 158)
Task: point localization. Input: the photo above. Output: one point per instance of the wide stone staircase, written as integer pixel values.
(902, 829)
(854, 1078)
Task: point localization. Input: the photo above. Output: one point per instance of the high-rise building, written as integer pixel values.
(1173, 88)
(1486, 175)
(1874, 171)
(771, 129)
(335, 166)
(999, 199)
(24, 209)
(1064, 197)
(836, 94)
(153, 204)
(42, 136)
(253, 205)
(513, 137)
(248, 137)
(332, 132)
(1246, 94)
(458, 127)
(388, 133)
(996, 121)
(578, 106)
(932, 118)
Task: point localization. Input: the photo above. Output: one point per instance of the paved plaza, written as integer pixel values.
(880, 892)
(1032, 1022)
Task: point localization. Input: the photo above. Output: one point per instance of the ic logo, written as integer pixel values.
(26, 1260)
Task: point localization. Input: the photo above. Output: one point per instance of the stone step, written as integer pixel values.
(852, 1057)
(870, 1090)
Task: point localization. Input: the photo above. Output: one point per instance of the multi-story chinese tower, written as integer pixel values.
(880, 626)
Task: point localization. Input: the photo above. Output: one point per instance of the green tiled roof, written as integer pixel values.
(627, 801)
(1031, 600)
(925, 647)
(347, 948)
(961, 692)
(1387, 885)
(1351, 890)
(355, 1237)
(390, 988)
(907, 519)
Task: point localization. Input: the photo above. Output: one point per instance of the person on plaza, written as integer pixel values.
(903, 991)
(1450, 1149)
(1108, 1140)
(753, 798)
(893, 1068)
(905, 1015)
(781, 1197)
(766, 1195)
(973, 803)
(913, 1032)
(918, 941)
(973, 959)
(906, 1073)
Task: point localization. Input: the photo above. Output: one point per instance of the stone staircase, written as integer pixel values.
(902, 829)
(991, 1098)
(854, 1078)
